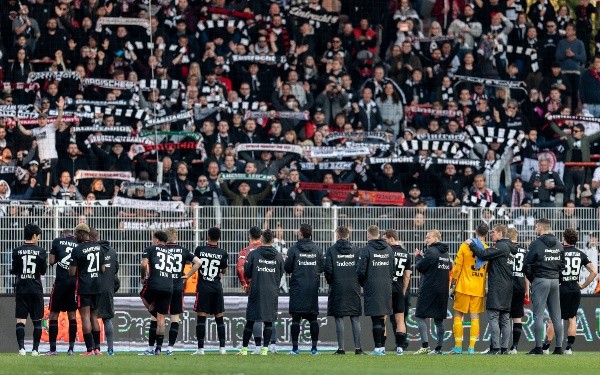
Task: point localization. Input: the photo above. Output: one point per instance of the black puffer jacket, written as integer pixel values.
(435, 267)
(500, 270)
(340, 272)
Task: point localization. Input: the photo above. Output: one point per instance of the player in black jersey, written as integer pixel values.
(520, 289)
(110, 285)
(63, 296)
(159, 262)
(181, 256)
(400, 284)
(87, 262)
(209, 295)
(570, 289)
(28, 265)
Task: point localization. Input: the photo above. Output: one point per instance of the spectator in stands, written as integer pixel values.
(479, 193)
(589, 89)
(65, 190)
(578, 150)
(545, 185)
(180, 186)
(243, 196)
(570, 52)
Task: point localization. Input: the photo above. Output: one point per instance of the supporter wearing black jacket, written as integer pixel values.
(500, 286)
(434, 265)
(375, 271)
(544, 263)
(305, 264)
(344, 289)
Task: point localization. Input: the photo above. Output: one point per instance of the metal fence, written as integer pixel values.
(129, 230)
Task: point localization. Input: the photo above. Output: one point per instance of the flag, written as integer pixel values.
(479, 262)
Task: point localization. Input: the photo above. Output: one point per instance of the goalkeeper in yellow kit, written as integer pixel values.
(468, 288)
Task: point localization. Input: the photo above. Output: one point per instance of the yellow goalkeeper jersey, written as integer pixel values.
(469, 280)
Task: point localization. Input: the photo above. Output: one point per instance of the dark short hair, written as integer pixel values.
(30, 230)
(214, 233)
(570, 235)
(161, 235)
(482, 229)
(391, 233)
(305, 230)
(343, 232)
(267, 236)
(255, 233)
(94, 235)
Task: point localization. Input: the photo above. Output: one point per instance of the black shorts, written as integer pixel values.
(158, 300)
(106, 307)
(29, 304)
(209, 302)
(517, 305)
(63, 297)
(176, 306)
(569, 304)
(398, 303)
(88, 300)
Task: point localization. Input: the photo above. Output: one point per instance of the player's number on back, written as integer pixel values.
(171, 263)
(572, 267)
(518, 265)
(209, 267)
(67, 259)
(93, 262)
(29, 264)
(400, 266)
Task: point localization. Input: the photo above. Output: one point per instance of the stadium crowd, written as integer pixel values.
(240, 102)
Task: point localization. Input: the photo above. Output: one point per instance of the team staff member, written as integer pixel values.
(570, 289)
(87, 262)
(209, 296)
(400, 284)
(181, 256)
(434, 265)
(305, 264)
(520, 289)
(63, 296)
(544, 264)
(500, 286)
(264, 269)
(254, 235)
(28, 265)
(375, 271)
(344, 289)
(110, 285)
(468, 288)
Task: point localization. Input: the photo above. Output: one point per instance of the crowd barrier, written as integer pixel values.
(129, 230)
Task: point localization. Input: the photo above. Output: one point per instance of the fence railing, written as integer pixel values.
(129, 230)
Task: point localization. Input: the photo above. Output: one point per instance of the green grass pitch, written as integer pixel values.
(282, 364)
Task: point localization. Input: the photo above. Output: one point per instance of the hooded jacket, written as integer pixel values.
(499, 270)
(375, 272)
(434, 266)
(305, 264)
(545, 258)
(340, 273)
(110, 281)
(264, 269)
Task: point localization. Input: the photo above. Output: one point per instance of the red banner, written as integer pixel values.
(322, 186)
(379, 198)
